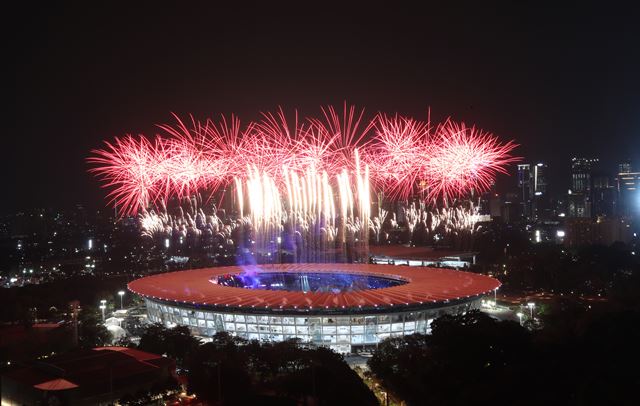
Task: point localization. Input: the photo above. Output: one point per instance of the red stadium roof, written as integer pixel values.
(426, 285)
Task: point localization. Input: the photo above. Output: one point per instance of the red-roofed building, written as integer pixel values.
(345, 307)
(87, 377)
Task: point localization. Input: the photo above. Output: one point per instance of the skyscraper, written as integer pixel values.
(624, 167)
(532, 187)
(524, 188)
(540, 203)
(628, 186)
(539, 186)
(580, 194)
(604, 195)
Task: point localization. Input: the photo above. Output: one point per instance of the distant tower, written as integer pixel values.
(604, 195)
(539, 179)
(538, 190)
(628, 191)
(580, 194)
(532, 188)
(524, 188)
(624, 167)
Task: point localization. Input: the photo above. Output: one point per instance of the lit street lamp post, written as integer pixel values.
(531, 305)
(121, 293)
(103, 306)
(519, 314)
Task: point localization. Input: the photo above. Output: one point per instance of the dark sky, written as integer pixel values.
(562, 80)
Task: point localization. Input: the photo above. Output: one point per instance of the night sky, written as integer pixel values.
(560, 81)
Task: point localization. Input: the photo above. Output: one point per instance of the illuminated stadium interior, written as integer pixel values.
(308, 281)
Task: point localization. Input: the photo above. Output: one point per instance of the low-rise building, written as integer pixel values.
(99, 376)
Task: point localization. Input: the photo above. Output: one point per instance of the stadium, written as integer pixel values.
(345, 307)
(312, 194)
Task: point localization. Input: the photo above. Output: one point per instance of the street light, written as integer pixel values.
(103, 306)
(519, 314)
(531, 305)
(121, 293)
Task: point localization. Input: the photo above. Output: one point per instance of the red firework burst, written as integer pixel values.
(465, 159)
(399, 154)
(128, 168)
(404, 155)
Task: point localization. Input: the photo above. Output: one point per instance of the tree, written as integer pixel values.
(578, 358)
(180, 343)
(152, 339)
(243, 372)
(458, 364)
(92, 332)
(176, 342)
(399, 364)
(585, 357)
(218, 371)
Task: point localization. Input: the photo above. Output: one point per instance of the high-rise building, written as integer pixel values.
(524, 188)
(485, 200)
(604, 196)
(624, 167)
(628, 188)
(580, 194)
(532, 188)
(495, 205)
(540, 203)
(539, 186)
(581, 171)
(509, 208)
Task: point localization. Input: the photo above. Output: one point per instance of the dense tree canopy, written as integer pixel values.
(473, 358)
(92, 333)
(176, 342)
(244, 372)
(612, 270)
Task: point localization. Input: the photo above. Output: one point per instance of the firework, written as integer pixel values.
(400, 154)
(465, 159)
(402, 157)
(129, 168)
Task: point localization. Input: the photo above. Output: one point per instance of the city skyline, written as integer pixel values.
(556, 185)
